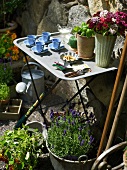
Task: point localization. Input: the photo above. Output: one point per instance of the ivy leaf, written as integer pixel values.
(2, 50)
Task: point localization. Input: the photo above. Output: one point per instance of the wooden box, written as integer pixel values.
(12, 110)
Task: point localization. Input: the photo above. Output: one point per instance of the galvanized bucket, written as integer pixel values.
(38, 77)
(64, 164)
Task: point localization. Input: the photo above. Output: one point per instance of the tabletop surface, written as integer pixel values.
(47, 60)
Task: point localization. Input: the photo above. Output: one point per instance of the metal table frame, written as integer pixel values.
(48, 58)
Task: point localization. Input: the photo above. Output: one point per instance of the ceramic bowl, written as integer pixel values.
(69, 57)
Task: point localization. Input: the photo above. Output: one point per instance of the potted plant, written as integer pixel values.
(4, 93)
(7, 8)
(20, 148)
(106, 25)
(85, 41)
(8, 51)
(70, 141)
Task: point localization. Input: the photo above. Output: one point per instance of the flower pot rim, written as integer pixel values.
(85, 36)
(12, 25)
(66, 160)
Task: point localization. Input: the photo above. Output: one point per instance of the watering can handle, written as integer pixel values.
(30, 63)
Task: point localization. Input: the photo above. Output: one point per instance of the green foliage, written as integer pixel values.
(7, 7)
(69, 135)
(6, 73)
(21, 148)
(83, 30)
(4, 91)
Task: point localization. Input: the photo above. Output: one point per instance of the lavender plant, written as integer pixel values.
(69, 135)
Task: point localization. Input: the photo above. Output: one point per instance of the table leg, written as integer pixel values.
(79, 91)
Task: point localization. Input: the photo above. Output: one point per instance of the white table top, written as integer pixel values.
(48, 59)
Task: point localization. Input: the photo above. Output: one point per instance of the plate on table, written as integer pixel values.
(28, 44)
(41, 39)
(69, 57)
(56, 49)
(34, 49)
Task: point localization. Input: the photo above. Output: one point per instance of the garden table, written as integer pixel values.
(47, 60)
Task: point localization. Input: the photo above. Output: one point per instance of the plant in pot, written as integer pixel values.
(70, 141)
(85, 41)
(7, 8)
(20, 148)
(106, 25)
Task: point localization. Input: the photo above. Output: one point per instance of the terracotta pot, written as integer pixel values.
(85, 47)
(4, 102)
(12, 26)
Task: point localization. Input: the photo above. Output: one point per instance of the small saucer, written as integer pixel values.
(35, 50)
(56, 49)
(41, 39)
(27, 43)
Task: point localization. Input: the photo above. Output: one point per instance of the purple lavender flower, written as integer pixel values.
(57, 124)
(82, 142)
(91, 139)
(69, 121)
(64, 133)
(79, 137)
(58, 117)
(73, 123)
(51, 115)
(80, 128)
(64, 118)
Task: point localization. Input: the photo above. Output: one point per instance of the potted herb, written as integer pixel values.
(7, 8)
(70, 141)
(106, 25)
(85, 38)
(20, 148)
(4, 93)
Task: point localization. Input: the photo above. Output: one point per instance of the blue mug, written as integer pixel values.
(56, 43)
(39, 47)
(31, 39)
(46, 36)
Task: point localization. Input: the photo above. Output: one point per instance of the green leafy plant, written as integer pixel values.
(69, 135)
(20, 148)
(6, 73)
(7, 7)
(83, 30)
(4, 91)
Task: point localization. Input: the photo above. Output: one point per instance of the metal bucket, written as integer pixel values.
(64, 164)
(38, 77)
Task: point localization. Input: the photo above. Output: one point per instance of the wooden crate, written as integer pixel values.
(11, 111)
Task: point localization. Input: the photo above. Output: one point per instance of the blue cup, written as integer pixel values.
(56, 43)
(31, 39)
(46, 36)
(39, 47)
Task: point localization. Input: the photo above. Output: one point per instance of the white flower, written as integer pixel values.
(103, 13)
